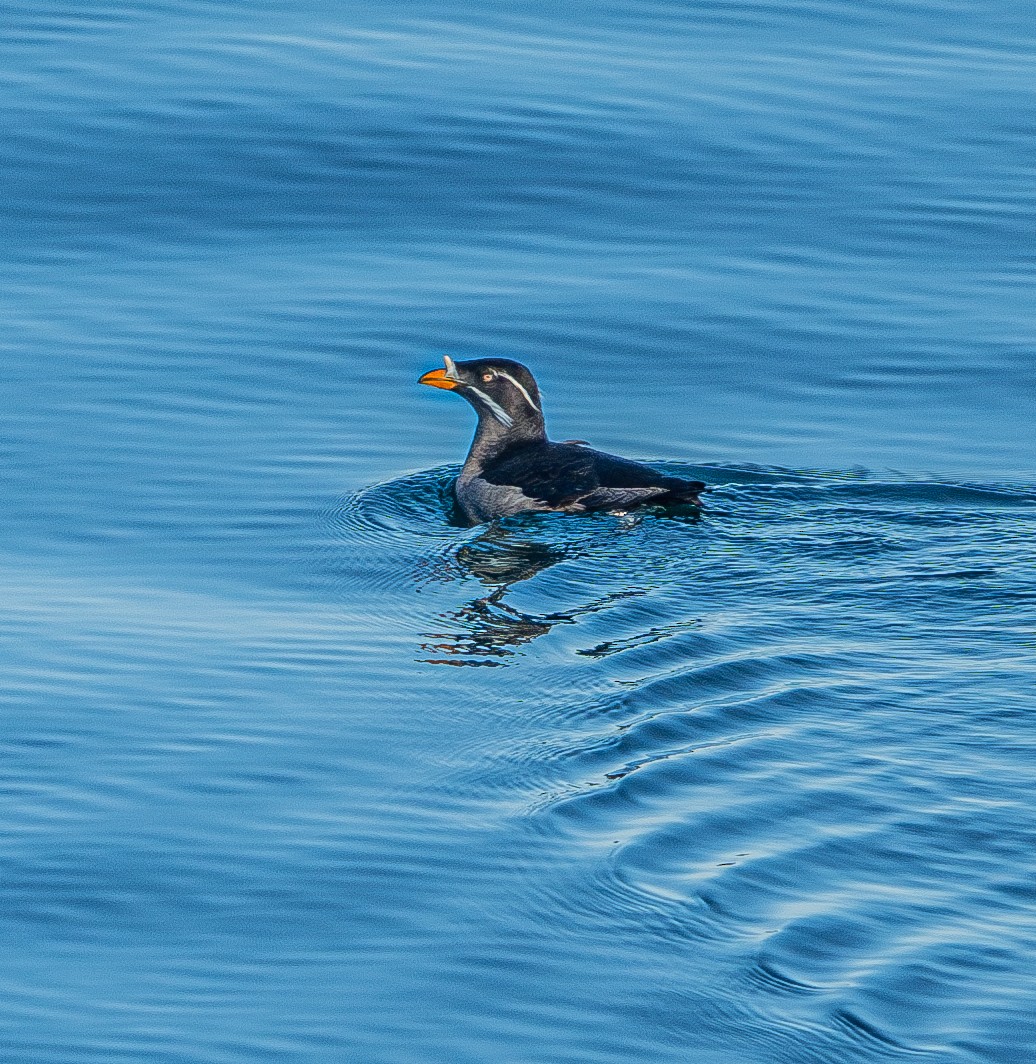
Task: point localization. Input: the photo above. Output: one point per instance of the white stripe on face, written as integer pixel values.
(520, 387)
(495, 408)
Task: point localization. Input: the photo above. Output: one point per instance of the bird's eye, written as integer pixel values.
(487, 377)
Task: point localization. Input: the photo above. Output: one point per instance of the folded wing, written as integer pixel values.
(568, 477)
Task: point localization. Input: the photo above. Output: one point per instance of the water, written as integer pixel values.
(296, 770)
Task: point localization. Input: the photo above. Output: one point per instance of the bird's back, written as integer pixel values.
(565, 476)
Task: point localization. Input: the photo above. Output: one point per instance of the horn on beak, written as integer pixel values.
(447, 378)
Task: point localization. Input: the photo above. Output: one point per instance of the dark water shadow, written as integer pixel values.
(486, 630)
(408, 531)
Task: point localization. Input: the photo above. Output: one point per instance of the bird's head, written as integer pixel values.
(502, 392)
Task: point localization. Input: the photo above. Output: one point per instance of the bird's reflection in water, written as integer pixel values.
(486, 630)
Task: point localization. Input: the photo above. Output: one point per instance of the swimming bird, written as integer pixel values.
(512, 467)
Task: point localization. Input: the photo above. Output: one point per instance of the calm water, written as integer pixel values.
(294, 770)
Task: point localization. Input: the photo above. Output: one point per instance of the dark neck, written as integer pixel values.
(492, 440)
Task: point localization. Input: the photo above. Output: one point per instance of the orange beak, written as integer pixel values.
(437, 379)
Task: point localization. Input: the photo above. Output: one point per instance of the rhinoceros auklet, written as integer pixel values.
(512, 466)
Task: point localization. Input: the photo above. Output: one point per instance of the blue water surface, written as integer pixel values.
(296, 770)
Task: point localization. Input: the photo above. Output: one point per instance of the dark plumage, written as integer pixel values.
(512, 466)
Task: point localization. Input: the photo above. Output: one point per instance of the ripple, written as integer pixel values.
(414, 506)
(685, 684)
(712, 735)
